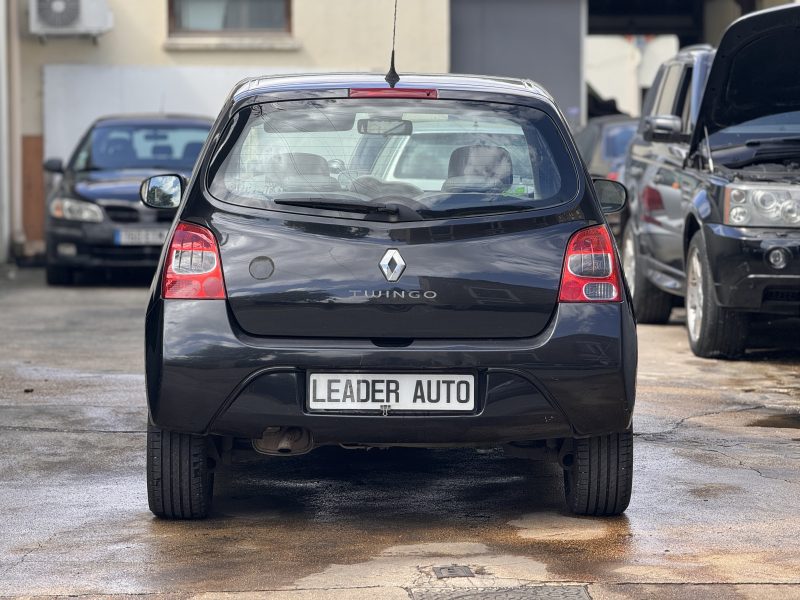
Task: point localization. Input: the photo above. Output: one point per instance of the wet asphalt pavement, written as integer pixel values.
(714, 511)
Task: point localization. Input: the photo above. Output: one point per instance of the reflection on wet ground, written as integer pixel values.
(781, 421)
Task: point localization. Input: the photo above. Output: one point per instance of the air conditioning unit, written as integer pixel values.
(69, 17)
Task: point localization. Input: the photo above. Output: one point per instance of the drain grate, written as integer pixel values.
(453, 571)
(548, 592)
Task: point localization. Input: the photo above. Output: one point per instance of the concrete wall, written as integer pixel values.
(611, 63)
(326, 35)
(537, 39)
(717, 15)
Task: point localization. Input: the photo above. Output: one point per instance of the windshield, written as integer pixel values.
(777, 126)
(146, 146)
(432, 157)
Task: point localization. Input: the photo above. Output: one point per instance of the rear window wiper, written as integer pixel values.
(480, 209)
(355, 207)
(391, 211)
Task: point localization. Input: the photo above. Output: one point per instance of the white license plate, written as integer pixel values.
(140, 237)
(390, 392)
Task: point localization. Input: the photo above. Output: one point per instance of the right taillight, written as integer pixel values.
(590, 273)
(193, 269)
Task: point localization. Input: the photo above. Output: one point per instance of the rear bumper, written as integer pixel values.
(92, 246)
(743, 276)
(577, 378)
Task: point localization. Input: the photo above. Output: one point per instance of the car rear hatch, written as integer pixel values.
(333, 229)
(311, 279)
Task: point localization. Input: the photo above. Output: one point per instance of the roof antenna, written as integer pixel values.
(392, 77)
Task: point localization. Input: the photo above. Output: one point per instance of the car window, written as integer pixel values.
(144, 146)
(667, 97)
(427, 155)
(440, 156)
(649, 103)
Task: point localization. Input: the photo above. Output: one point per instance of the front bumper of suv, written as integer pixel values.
(575, 379)
(743, 275)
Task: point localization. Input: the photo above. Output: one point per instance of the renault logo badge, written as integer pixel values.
(392, 265)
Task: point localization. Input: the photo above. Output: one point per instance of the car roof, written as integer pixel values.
(154, 119)
(255, 86)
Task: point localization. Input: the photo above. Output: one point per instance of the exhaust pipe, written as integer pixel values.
(284, 441)
(292, 435)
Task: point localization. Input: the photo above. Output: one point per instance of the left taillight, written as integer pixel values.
(193, 269)
(591, 272)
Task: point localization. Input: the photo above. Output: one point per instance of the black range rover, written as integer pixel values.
(714, 174)
(354, 264)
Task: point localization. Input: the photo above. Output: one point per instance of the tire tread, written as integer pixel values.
(179, 481)
(600, 479)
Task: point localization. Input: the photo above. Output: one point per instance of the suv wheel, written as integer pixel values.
(59, 275)
(599, 475)
(650, 304)
(180, 480)
(714, 331)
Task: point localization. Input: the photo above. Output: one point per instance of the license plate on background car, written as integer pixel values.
(140, 237)
(390, 392)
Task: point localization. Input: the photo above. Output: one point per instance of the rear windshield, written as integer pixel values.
(406, 158)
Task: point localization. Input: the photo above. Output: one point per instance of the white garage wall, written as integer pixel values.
(76, 95)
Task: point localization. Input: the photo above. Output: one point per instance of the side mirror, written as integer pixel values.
(53, 165)
(162, 191)
(663, 128)
(612, 195)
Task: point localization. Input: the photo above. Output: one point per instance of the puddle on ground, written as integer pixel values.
(783, 421)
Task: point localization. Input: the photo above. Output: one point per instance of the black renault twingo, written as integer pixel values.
(374, 266)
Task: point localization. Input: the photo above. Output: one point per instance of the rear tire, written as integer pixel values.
(180, 481)
(599, 480)
(650, 304)
(60, 275)
(714, 331)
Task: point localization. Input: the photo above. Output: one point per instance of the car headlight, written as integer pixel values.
(76, 210)
(762, 205)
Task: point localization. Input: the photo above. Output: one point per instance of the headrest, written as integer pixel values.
(293, 164)
(490, 162)
(162, 150)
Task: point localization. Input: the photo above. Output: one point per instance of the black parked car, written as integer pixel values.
(714, 174)
(94, 217)
(603, 142)
(310, 295)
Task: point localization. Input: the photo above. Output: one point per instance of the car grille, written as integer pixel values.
(781, 294)
(122, 214)
(133, 253)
